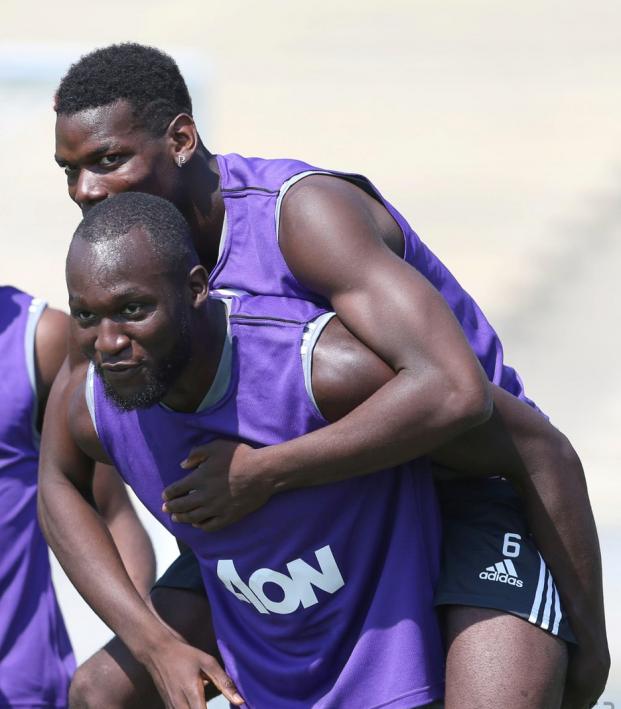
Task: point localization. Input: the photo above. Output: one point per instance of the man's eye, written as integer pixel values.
(82, 316)
(109, 160)
(131, 309)
(70, 171)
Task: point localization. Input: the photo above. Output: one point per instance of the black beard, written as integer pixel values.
(158, 380)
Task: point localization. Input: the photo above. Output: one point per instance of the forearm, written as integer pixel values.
(561, 519)
(85, 549)
(135, 549)
(130, 537)
(518, 443)
(407, 417)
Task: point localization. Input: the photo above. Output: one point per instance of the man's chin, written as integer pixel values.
(131, 398)
(129, 401)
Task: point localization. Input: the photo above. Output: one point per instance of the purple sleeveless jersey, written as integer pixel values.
(324, 596)
(36, 661)
(251, 260)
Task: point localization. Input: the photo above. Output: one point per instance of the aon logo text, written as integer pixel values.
(297, 587)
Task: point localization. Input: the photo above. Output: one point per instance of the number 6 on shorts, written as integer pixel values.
(511, 545)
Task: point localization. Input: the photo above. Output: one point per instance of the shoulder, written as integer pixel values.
(79, 417)
(327, 192)
(51, 338)
(327, 223)
(52, 331)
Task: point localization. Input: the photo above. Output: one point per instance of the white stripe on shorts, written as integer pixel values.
(557, 610)
(534, 611)
(545, 621)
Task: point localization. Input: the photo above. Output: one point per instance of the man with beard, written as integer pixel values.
(36, 660)
(352, 623)
(282, 227)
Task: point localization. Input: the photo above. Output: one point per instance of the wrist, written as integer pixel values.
(146, 644)
(591, 637)
(266, 471)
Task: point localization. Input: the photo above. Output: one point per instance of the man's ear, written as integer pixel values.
(198, 282)
(182, 138)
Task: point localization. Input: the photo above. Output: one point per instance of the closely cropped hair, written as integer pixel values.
(168, 231)
(146, 77)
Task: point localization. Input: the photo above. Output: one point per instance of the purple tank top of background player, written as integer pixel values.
(250, 258)
(36, 661)
(324, 596)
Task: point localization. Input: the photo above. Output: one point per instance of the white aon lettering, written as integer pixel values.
(297, 587)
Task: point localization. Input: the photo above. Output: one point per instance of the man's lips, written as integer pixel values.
(120, 368)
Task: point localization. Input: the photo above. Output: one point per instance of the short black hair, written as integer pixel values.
(168, 231)
(144, 76)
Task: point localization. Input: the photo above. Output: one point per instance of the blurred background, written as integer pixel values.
(496, 129)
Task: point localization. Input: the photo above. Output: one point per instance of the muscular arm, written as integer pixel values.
(74, 528)
(129, 535)
(524, 447)
(110, 495)
(85, 548)
(333, 237)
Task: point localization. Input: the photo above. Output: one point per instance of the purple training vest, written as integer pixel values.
(251, 260)
(324, 596)
(36, 661)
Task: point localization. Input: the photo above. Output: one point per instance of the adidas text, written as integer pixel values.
(503, 572)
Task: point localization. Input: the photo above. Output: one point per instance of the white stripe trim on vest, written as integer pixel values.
(223, 236)
(35, 310)
(312, 331)
(222, 293)
(89, 393)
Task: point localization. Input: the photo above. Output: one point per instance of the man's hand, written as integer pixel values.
(587, 673)
(223, 487)
(180, 673)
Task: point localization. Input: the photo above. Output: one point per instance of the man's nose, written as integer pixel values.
(89, 189)
(111, 342)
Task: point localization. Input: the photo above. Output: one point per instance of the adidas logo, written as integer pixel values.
(503, 572)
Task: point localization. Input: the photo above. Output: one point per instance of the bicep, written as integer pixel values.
(69, 444)
(332, 242)
(51, 346)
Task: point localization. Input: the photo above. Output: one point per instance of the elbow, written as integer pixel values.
(559, 448)
(472, 401)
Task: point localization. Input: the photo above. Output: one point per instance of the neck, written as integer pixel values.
(208, 335)
(203, 206)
